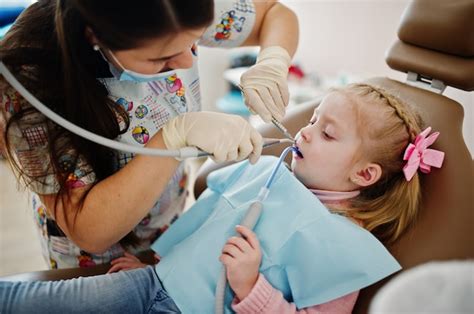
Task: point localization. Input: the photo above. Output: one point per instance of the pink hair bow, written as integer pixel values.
(418, 155)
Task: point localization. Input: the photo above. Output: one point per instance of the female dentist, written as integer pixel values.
(127, 70)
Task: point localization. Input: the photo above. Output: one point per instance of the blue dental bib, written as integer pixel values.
(311, 255)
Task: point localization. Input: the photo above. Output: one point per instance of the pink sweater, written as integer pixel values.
(263, 298)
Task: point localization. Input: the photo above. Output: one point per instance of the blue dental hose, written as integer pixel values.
(249, 220)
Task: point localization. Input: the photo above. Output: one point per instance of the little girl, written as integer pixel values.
(359, 155)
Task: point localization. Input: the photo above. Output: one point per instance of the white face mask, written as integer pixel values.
(129, 75)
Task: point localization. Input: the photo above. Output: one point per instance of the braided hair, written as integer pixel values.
(387, 125)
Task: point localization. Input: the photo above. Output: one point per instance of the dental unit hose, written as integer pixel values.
(249, 220)
(184, 152)
(251, 216)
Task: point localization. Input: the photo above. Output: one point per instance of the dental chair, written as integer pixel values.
(436, 50)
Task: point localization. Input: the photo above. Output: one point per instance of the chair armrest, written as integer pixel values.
(59, 274)
(146, 257)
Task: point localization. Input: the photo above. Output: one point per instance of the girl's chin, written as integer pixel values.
(300, 178)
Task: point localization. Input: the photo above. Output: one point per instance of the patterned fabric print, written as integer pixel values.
(149, 106)
(153, 105)
(80, 175)
(63, 253)
(58, 250)
(9, 98)
(165, 211)
(232, 25)
(28, 139)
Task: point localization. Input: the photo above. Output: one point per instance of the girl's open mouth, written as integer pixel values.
(296, 150)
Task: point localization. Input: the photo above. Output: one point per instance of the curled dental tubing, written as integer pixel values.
(184, 152)
(249, 220)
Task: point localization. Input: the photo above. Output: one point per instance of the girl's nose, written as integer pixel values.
(182, 61)
(305, 134)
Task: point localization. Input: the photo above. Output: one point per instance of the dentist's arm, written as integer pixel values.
(264, 85)
(275, 25)
(115, 205)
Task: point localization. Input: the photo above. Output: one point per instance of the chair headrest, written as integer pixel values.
(436, 41)
(443, 227)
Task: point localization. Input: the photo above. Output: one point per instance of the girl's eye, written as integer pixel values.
(327, 136)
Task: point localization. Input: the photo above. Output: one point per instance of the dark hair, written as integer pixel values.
(48, 52)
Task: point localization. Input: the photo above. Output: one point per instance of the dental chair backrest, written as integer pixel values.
(436, 49)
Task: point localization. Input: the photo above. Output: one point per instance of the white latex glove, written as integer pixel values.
(265, 86)
(227, 137)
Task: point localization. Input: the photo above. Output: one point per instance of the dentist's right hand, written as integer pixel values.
(227, 137)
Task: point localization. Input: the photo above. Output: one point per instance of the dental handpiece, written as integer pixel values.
(275, 122)
(184, 152)
(267, 142)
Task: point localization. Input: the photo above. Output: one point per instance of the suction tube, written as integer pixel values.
(184, 152)
(250, 220)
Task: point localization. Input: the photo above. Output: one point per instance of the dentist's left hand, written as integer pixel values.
(265, 87)
(227, 137)
(128, 262)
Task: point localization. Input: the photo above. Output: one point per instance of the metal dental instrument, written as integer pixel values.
(184, 152)
(267, 142)
(282, 129)
(275, 122)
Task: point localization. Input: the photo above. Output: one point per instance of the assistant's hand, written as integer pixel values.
(127, 262)
(227, 137)
(264, 85)
(242, 257)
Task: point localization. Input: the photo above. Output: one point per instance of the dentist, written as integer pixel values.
(127, 70)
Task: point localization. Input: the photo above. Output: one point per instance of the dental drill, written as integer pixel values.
(185, 152)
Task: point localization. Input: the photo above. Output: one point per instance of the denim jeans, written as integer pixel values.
(134, 291)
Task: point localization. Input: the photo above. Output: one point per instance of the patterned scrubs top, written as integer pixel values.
(150, 106)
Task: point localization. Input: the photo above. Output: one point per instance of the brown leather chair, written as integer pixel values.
(436, 49)
(147, 257)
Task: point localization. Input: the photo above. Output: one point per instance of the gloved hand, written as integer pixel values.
(265, 86)
(227, 137)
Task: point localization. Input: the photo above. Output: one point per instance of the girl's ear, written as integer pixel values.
(369, 175)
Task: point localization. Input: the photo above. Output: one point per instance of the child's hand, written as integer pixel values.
(242, 257)
(126, 262)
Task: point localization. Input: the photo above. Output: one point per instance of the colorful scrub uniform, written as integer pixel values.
(149, 106)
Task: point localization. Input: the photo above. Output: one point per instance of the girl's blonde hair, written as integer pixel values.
(388, 207)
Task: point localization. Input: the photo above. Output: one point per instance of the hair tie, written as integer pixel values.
(418, 155)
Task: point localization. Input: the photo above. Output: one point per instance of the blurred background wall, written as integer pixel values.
(337, 37)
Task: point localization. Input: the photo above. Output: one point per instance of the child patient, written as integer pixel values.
(360, 156)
